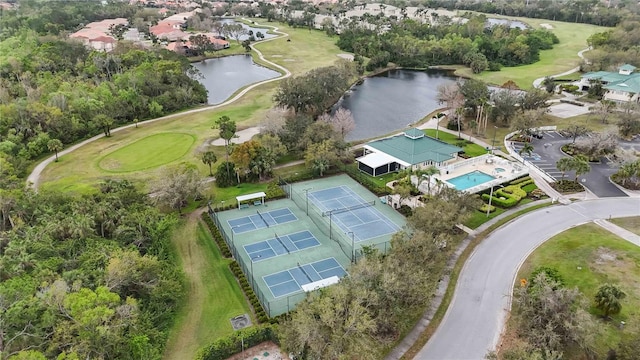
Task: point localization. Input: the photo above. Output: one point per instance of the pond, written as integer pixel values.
(255, 30)
(224, 76)
(393, 100)
(512, 23)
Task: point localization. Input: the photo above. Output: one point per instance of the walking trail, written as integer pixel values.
(33, 179)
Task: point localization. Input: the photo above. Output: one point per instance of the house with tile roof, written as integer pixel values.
(411, 149)
(621, 86)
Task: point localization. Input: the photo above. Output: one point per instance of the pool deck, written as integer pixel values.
(486, 163)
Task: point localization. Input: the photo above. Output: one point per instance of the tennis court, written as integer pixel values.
(292, 280)
(281, 245)
(261, 220)
(352, 213)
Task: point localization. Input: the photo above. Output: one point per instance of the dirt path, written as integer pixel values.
(183, 344)
(33, 180)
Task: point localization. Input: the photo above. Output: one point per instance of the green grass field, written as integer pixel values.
(214, 295)
(587, 257)
(470, 149)
(148, 153)
(80, 170)
(563, 56)
(630, 223)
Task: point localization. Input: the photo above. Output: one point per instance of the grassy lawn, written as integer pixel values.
(630, 223)
(469, 148)
(148, 153)
(563, 56)
(80, 170)
(478, 217)
(214, 296)
(587, 257)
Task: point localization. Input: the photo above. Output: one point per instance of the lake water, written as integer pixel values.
(224, 76)
(512, 23)
(393, 100)
(255, 30)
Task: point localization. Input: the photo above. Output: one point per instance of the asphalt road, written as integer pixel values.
(482, 299)
(547, 152)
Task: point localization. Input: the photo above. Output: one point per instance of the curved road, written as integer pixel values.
(481, 302)
(33, 179)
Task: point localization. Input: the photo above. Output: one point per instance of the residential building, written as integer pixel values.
(411, 149)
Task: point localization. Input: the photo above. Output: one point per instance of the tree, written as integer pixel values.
(574, 131)
(274, 121)
(549, 84)
(603, 109)
(341, 121)
(580, 165)
(563, 165)
(628, 125)
(315, 91)
(246, 44)
(319, 157)
(527, 122)
(608, 298)
(452, 97)
(227, 129)
(235, 31)
(597, 145)
(551, 316)
(475, 93)
(243, 155)
(527, 148)
(428, 173)
(55, 145)
(201, 44)
(209, 158)
(504, 107)
(105, 122)
(176, 185)
(534, 99)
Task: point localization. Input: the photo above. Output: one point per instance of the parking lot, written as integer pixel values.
(547, 151)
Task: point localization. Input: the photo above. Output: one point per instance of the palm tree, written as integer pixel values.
(527, 149)
(55, 145)
(209, 158)
(608, 299)
(429, 172)
(563, 165)
(580, 165)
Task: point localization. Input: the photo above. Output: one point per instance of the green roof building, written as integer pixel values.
(622, 86)
(410, 149)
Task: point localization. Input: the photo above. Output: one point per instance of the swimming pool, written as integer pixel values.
(463, 182)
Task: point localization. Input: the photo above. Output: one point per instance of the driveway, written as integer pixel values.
(547, 151)
(482, 299)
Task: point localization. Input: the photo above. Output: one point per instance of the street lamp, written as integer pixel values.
(306, 192)
(353, 247)
(253, 281)
(490, 198)
(222, 205)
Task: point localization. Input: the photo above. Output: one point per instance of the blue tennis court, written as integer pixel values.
(280, 245)
(261, 220)
(352, 213)
(290, 281)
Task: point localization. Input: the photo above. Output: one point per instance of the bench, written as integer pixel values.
(257, 203)
(244, 206)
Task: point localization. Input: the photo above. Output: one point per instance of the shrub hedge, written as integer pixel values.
(519, 180)
(509, 196)
(228, 346)
(367, 181)
(248, 291)
(217, 237)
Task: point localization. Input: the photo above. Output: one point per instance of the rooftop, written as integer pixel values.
(413, 147)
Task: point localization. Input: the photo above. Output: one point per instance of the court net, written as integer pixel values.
(349, 208)
(262, 217)
(282, 243)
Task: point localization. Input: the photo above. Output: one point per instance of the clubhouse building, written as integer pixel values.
(622, 86)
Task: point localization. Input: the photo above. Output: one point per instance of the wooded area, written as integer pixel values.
(409, 43)
(91, 277)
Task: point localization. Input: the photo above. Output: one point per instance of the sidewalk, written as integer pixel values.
(617, 230)
(426, 318)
